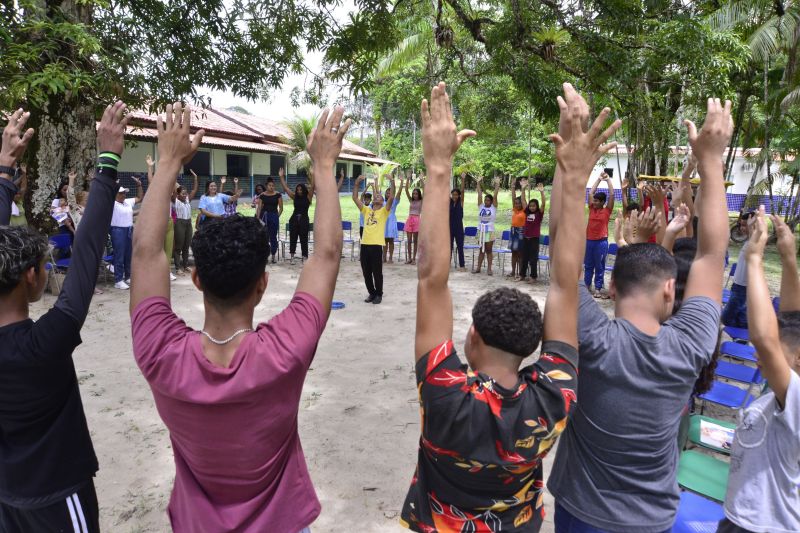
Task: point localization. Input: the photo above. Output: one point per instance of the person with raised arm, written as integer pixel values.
(534, 214)
(486, 426)
(269, 211)
(121, 232)
(182, 206)
(616, 464)
(763, 492)
(48, 461)
(229, 394)
(487, 214)
(391, 233)
(299, 224)
(372, 239)
(412, 222)
(601, 206)
(457, 221)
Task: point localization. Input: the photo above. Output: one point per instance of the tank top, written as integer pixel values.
(415, 208)
(269, 204)
(301, 205)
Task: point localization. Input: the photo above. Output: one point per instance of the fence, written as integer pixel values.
(778, 206)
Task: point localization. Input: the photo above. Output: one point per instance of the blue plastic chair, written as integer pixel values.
(61, 242)
(503, 250)
(544, 252)
(348, 227)
(738, 372)
(697, 514)
(737, 334)
(612, 251)
(471, 232)
(776, 304)
(727, 395)
(745, 352)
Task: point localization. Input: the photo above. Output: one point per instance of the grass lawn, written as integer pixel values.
(350, 212)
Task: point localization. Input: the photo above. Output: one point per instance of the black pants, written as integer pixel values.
(298, 227)
(183, 238)
(726, 526)
(372, 267)
(77, 513)
(530, 257)
(457, 235)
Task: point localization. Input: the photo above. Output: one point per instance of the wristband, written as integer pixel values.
(108, 160)
(8, 170)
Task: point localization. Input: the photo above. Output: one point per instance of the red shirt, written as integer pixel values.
(597, 228)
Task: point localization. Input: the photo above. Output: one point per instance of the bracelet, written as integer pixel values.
(108, 160)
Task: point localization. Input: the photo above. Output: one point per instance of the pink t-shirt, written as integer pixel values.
(238, 459)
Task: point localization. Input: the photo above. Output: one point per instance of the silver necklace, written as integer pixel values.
(229, 339)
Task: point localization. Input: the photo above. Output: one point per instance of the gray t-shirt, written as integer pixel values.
(740, 276)
(617, 459)
(764, 483)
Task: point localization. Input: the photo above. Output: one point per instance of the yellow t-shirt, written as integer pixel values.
(374, 225)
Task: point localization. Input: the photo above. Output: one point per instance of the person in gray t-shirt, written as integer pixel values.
(764, 484)
(616, 464)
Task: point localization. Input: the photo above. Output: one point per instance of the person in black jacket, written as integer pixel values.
(47, 461)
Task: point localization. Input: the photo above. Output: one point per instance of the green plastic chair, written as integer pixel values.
(695, 423)
(703, 474)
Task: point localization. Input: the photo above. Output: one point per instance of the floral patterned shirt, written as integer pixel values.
(479, 466)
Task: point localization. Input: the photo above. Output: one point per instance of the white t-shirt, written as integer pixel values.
(486, 216)
(123, 213)
(764, 483)
(58, 211)
(183, 210)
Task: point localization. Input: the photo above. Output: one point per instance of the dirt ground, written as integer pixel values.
(359, 419)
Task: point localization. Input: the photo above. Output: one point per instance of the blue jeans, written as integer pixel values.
(594, 263)
(566, 523)
(122, 241)
(735, 312)
(273, 222)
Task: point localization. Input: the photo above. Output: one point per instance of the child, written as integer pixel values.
(487, 213)
(457, 221)
(412, 224)
(486, 426)
(764, 484)
(366, 199)
(534, 214)
(391, 226)
(600, 208)
(515, 234)
(371, 254)
(735, 312)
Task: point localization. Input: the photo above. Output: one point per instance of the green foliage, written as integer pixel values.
(300, 129)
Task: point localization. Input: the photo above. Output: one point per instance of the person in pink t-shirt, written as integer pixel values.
(229, 394)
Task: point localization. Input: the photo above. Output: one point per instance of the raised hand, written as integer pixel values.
(360, 179)
(680, 220)
(787, 246)
(625, 183)
(645, 224)
(440, 141)
(540, 187)
(713, 138)
(136, 180)
(572, 100)
(655, 193)
(578, 156)
(149, 160)
(496, 182)
(523, 184)
(758, 240)
(174, 135)
(282, 173)
(222, 180)
(325, 142)
(72, 176)
(111, 132)
(191, 172)
(235, 181)
(15, 140)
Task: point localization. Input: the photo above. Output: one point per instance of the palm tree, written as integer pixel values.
(300, 129)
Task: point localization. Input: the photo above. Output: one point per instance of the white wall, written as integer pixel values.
(133, 157)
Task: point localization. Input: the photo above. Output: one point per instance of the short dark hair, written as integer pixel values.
(789, 329)
(303, 189)
(600, 196)
(20, 249)
(270, 180)
(488, 197)
(230, 255)
(642, 266)
(631, 207)
(509, 320)
(684, 250)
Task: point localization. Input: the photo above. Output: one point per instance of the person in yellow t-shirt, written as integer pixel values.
(372, 240)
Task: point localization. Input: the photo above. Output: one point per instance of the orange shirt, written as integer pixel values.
(597, 228)
(518, 218)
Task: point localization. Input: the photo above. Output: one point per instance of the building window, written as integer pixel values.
(277, 162)
(339, 168)
(200, 163)
(238, 165)
(357, 170)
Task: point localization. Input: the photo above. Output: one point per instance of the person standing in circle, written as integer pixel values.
(457, 221)
(212, 203)
(269, 211)
(122, 234)
(517, 227)
(298, 223)
(183, 225)
(487, 213)
(375, 217)
(412, 223)
(391, 232)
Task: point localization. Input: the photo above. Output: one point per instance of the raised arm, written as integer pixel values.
(496, 194)
(479, 188)
(611, 199)
(619, 225)
(406, 188)
(90, 239)
(676, 226)
(392, 192)
(139, 190)
(762, 324)
(311, 186)
(194, 186)
(705, 276)
(576, 158)
(356, 197)
(150, 266)
(150, 169)
(656, 194)
(624, 187)
(440, 142)
(341, 181)
(463, 187)
(524, 184)
(594, 188)
(318, 277)
(790, 282)
(236, 191)
(542, 197)
(14, 144)
(282, 177)
(73, 203)
(258, 208)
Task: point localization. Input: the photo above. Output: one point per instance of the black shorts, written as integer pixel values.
(77, 513)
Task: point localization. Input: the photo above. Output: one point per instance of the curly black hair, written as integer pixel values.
(509, 320)
(20, 249)
(230, 255)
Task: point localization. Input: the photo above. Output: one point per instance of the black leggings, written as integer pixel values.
(298, 227)
(530, 257)
(372, 268)
(457, 235)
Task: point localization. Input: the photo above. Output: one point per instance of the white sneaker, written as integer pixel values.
(121, 285)
(172, 277)
(128, 281)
